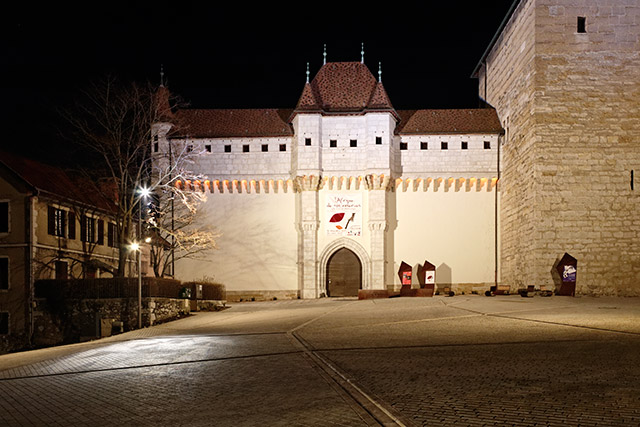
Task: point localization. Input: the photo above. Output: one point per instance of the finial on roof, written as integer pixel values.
(380, 72)
(307, 72)
(161, 75)
(324, 55)
(362, 54)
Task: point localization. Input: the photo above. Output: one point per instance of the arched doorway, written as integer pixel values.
(344, 274)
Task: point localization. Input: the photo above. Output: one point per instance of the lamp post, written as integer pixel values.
(144, 192)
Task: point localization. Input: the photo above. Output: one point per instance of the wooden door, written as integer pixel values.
(344, 274)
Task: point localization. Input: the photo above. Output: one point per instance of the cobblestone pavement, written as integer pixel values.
(466, 360)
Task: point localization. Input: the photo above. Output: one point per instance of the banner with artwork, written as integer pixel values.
(343, 214)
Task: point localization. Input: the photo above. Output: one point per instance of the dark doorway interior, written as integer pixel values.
(344, 274)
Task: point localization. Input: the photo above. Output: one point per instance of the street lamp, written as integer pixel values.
(143, 192)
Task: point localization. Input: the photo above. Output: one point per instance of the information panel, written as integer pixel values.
(343, 214)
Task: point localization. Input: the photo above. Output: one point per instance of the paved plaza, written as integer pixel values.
(465, 360)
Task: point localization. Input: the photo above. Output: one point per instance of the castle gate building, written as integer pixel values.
(333, 195)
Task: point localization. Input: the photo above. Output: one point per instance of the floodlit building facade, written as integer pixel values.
(564, 77)
(332, 196)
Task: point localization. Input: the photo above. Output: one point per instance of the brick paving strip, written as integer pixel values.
(347, 363)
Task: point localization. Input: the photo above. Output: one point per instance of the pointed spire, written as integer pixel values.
(380, 72)
(324, 55)
(307, 72)
(161, 75)
(362, 54)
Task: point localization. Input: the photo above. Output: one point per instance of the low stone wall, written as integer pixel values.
(240, 296)
(74, 320)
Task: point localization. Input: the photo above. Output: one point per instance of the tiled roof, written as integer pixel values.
(479, 120)
(233, 123)
(344, 87)
(55, 181)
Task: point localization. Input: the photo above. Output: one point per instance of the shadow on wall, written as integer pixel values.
(555, 275)
(443, 275)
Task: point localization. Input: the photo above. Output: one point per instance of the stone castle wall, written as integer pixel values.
(587, 110)
(506, 82)
(569, 104)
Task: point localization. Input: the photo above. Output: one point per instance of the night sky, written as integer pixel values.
(232, 57)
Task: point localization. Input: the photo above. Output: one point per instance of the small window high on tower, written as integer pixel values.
(582, 24)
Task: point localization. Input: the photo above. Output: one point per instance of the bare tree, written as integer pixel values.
(174, 220)
(115, 123)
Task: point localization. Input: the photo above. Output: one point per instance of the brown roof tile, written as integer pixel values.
(344, 87)
(479, 120)
(55, 181)
(223, 123)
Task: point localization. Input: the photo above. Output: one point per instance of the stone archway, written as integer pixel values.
(333, 247)
(344, 274)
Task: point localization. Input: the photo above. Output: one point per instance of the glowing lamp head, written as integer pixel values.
(134, 246)
(144, 191)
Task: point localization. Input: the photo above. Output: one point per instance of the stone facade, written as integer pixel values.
(420, 185)
(564, 77)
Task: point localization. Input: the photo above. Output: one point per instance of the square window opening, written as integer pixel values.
(403, 145)
(283, 147)
(353, 143)
(424, 145)
(245, 148)
(333, 143)
(582, 24)
(444, 145)
(378, 140)
(487, 145)
(207, 148)
(265, 147)
(307, 141)
(227, 148)
(464, 145)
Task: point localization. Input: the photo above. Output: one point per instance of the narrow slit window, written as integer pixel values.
(631, 180)
(155, 147)
(582, 24)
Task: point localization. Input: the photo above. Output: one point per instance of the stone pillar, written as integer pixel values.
(378, 224)
(307, 198)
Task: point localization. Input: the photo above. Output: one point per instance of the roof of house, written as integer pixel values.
(55, 182)
(338, 88)
(221, 123)
(478, 120)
